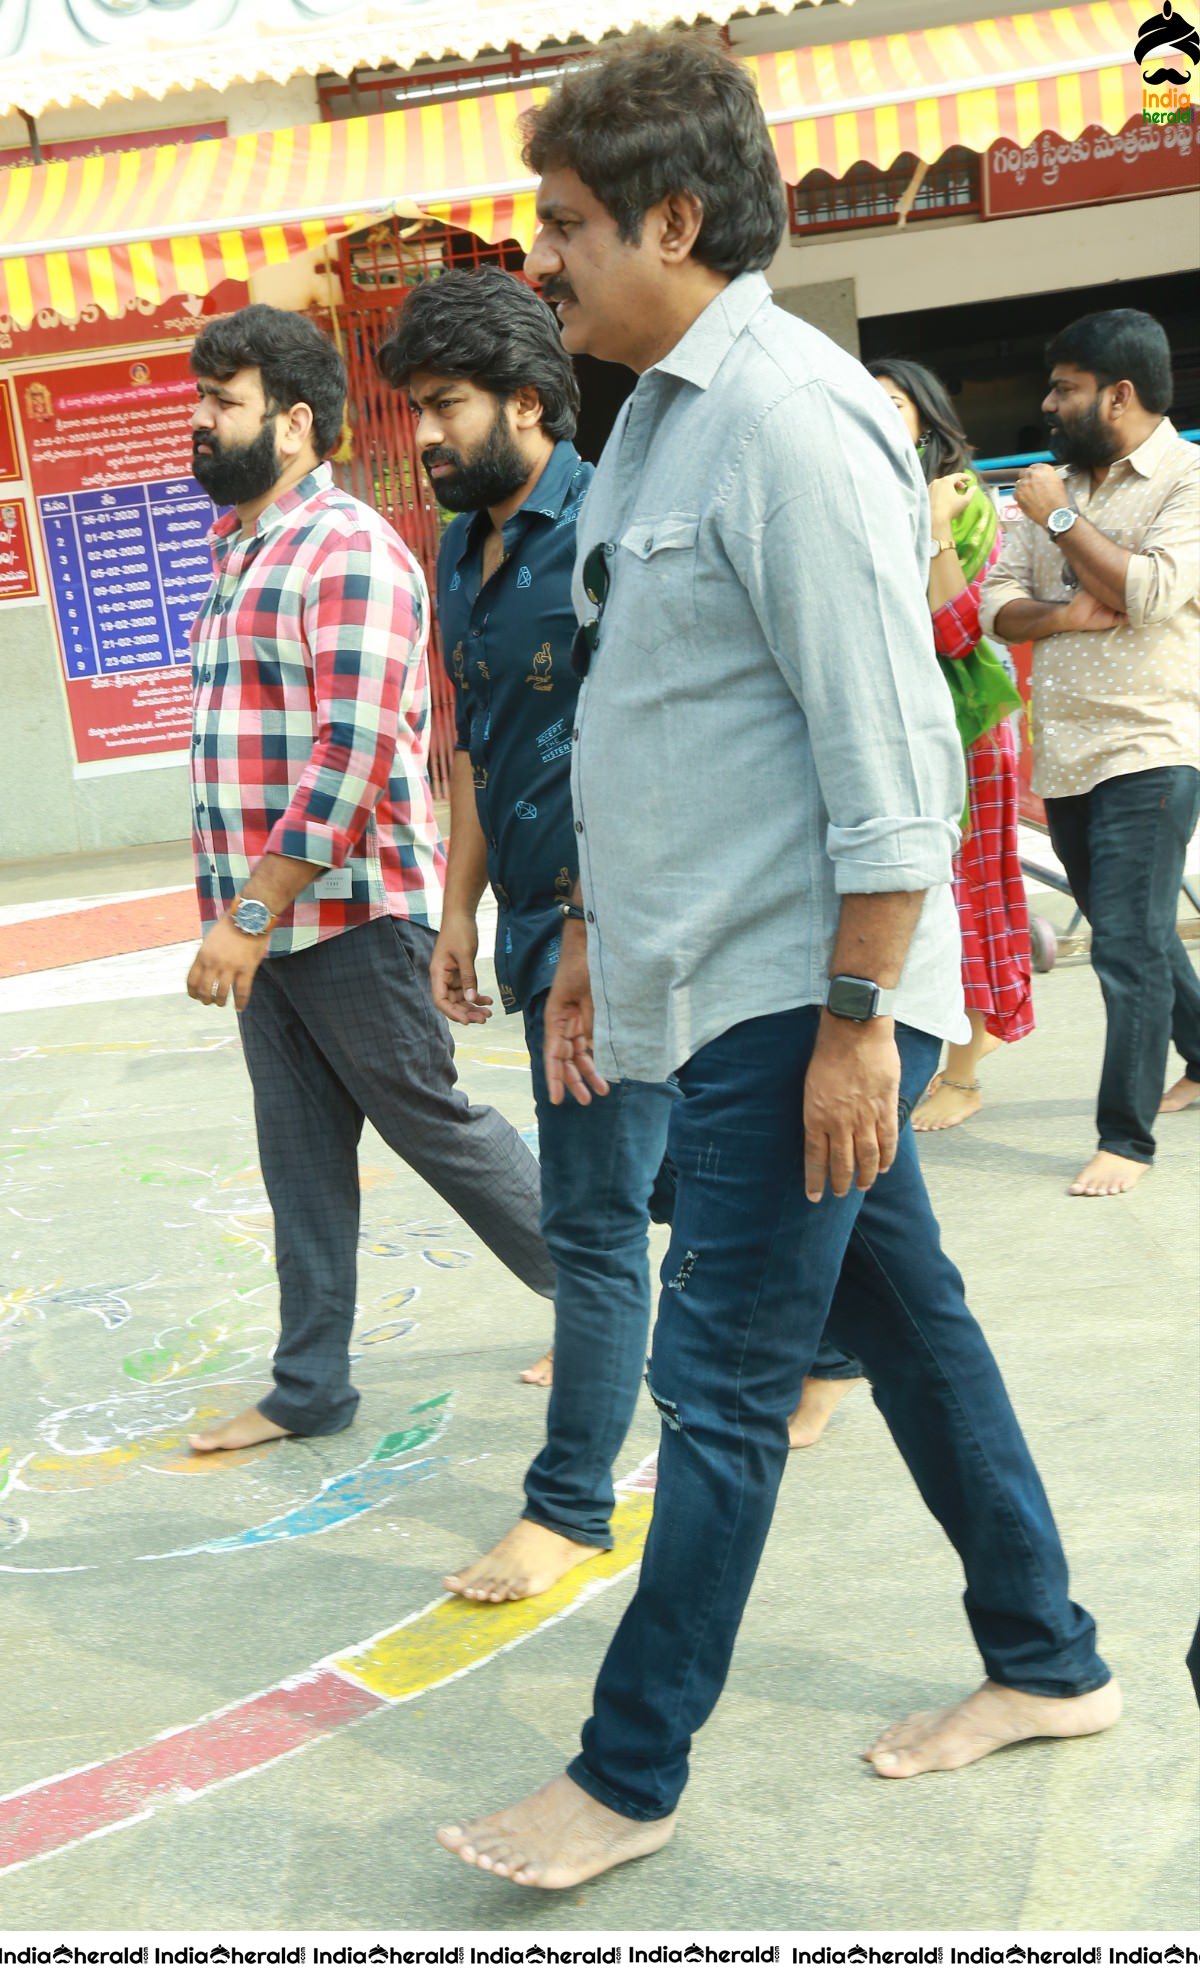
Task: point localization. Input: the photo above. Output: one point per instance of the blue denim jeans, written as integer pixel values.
(1123, 847)
(751, 1275)
(600, 1166)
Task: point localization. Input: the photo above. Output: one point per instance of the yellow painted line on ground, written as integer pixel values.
(508, 1059)
(456, 1635)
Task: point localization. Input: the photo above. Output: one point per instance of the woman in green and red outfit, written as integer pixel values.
(988, 885)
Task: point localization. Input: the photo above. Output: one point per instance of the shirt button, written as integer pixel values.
(579, 828)
(574, 734)
(591, 919)
(648, 544)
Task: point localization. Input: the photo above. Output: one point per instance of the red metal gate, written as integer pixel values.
(384, 470)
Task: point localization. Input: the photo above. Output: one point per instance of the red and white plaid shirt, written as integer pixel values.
(310, 716)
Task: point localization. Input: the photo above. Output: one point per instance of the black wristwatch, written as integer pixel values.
(570, 911)
(859, 999)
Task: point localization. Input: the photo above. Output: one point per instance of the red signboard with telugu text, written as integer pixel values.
(1095, 168)
(10, 465)
(124, 528)
(18, 578)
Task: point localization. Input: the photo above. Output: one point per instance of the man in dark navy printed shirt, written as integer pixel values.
(495, 399)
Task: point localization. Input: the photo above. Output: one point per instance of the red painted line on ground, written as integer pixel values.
(60, 1812)
(57, 939)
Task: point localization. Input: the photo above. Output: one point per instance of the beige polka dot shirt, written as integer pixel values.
(1112, 703)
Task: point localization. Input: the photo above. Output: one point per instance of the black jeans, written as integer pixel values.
(1123, 847)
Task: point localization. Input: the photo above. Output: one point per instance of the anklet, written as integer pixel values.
(956, 1086)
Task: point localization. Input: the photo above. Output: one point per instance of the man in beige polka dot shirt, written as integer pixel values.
(1103, 574)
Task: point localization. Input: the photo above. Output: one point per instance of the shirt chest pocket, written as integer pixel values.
(656, 574)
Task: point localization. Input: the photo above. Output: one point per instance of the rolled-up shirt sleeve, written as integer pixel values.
(1010, 579)
(1163, 574)
(854, 526)
(364, 624)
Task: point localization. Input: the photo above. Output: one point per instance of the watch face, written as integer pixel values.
(252, 917)
(850, 997)
(1060, 520)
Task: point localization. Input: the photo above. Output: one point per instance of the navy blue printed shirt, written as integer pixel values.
(508, 651)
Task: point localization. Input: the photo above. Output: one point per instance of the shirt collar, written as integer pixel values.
(1145, 458)
(700, 351)
(319, 481)
(548, 496)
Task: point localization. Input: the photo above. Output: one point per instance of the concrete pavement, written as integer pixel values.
(143, 1593)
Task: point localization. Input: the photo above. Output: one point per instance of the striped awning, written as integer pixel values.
(182, 218)
(922, 92)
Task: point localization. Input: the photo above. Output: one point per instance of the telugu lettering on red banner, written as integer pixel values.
(18, 577)
(1097, 167)
(125, 532)
(10, 464)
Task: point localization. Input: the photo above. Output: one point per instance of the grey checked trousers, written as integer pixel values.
(339, 1032)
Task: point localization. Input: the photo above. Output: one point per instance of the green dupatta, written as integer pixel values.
(980, 688)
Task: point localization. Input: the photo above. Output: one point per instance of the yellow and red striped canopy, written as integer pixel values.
(922, 92)
(179, 219)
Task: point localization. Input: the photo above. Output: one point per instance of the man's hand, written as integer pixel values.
(452, 971)
(568, 1017)
(851, 1104)
(227, 959)
(1039, 491)
(1085, 613)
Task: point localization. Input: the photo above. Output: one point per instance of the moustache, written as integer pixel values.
(439, 456)
(557, 291)
(1179, 76)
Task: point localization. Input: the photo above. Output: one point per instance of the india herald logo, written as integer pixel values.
(1167, 52)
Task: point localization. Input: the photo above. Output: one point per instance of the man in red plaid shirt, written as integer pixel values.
(318, 863)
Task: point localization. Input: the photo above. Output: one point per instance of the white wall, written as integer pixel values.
(934, 264)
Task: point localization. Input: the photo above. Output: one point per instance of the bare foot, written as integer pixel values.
(1182, 1094)
(244, 1431)
(541, 1373)
(946, 1104)
(946, 1739)
(529, 1560)
(1108, 1173)
(555, 1838)
(818, 1400)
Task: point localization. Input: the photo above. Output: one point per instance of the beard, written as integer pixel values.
(496, 470)
(1086, 442)
(231, 475)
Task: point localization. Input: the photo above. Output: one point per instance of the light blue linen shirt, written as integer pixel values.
(764, 726)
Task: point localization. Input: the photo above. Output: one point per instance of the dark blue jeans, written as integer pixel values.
(600, 1163)
(752, 1273)
(1123, 847)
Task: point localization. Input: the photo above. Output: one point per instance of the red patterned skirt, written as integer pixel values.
(989, 891)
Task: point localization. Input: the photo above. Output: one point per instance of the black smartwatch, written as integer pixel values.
(859, 999)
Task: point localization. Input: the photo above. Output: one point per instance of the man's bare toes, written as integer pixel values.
(528, 1561)
(244, 1430)
(541, 1373)
(1183, 1094)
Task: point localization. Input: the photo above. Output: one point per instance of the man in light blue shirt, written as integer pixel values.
(766, 786)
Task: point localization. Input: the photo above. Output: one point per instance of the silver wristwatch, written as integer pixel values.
(1059, 522)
